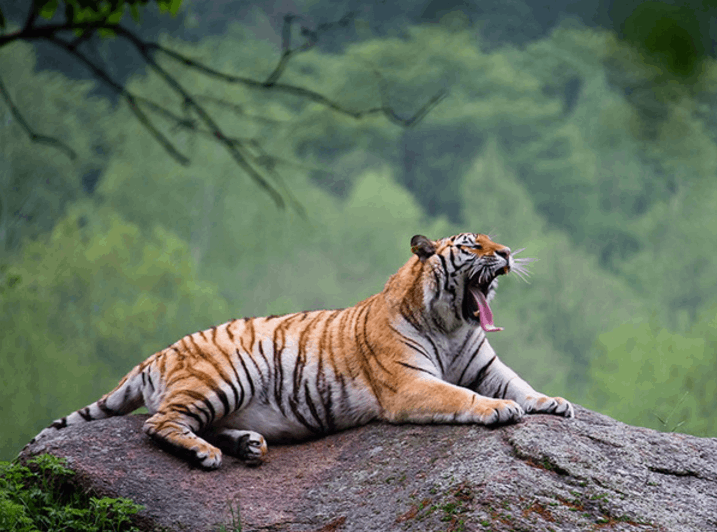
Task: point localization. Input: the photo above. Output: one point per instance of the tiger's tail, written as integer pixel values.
(124, 399)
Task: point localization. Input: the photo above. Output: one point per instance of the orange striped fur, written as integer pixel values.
(416, 352)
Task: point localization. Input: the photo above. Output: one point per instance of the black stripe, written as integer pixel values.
(249, 326)
(473, 356)
(263, 355)
(325, 393)
(300, 363)
(312, 407)
(416, 368)
(184, 409)
(505, 388)
(407, 314)
(248, 375)
(240, 399)
(85, 413)
(211, 382)
(207, 415)
(223, 398)
(322, 383)
(101, 404)
(372, 352)
(411, 343)
(196, 396)
(227, 378)
(469, 336)
(417, 349)
(445, 269)
(127, 392)
(258, 369)
(452, 256)
(438, 356)
(473, 385)
(230, 334)
(299, 416)
(59, 424)
(195, 344)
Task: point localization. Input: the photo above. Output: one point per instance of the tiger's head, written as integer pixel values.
(460, 277)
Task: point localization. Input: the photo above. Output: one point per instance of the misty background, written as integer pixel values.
(583, 131)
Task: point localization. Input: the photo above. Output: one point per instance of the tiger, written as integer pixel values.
(417, 352)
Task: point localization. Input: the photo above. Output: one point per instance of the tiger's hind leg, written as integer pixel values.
(176, 430)
(247, 445)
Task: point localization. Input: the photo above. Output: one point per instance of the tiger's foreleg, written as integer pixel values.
(178, 431)
(430, 400)
(499, 381)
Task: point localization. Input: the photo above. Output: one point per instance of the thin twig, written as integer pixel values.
(31, 17)
(129, 98)
(34, 137)
(189, 102)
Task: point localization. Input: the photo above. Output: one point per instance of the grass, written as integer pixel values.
(235, 525)
(42, 497)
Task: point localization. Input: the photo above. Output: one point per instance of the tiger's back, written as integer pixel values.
(416, 352)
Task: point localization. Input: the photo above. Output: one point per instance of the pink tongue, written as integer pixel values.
(486, 315)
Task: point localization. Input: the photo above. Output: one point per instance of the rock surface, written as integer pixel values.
(545, 473)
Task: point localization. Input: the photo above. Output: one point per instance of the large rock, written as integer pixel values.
(545, 473)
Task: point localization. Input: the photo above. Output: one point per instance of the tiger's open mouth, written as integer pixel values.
(475, 301)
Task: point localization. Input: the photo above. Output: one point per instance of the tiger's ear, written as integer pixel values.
(422, 247)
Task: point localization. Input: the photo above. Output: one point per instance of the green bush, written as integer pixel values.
(41, 496)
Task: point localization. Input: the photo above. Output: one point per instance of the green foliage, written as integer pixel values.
(109, 11)
(85, 304)
(670, 35)
(36, 184)
(41, 496)
(546, 316)
(646, 375)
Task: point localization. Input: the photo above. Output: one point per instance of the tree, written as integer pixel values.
(85, 19)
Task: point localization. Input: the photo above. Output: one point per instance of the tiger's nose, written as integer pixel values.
(505, 253)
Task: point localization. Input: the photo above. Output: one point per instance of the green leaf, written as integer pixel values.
(47, 11)
(2, 20)
(169, 5)
(134, 11)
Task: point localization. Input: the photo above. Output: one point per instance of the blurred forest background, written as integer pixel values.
(557, 134)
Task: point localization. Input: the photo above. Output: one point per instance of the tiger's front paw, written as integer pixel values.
(500, 411)
(548, 405)
(208, 457)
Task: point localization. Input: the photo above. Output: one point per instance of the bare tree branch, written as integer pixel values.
(237, 148)
(34, 137)
(190, 103)
(128, 96)
(31, 17)
(237, 109)
(301, 92)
